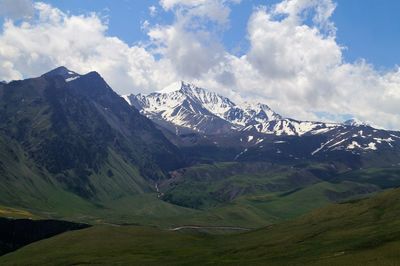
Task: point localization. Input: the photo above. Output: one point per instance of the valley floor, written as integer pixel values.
(362, 232)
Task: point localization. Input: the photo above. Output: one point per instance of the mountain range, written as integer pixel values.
(185, 111)
(139, 168)
(71, 132)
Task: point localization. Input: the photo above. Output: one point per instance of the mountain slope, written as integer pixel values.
(71, 133)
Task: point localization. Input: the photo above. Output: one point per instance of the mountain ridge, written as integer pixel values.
(193, 116)
(77, 138)
(167, 105)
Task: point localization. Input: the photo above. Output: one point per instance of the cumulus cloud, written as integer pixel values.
(302, 66)
(214, 10)
(80, 43)
(193, 52)
(296, 11)
(16, 9)
(293, 63)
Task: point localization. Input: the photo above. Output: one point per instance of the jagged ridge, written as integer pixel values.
(184, 108)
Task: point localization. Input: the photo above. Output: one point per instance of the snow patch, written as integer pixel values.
(126, 98)
(243, 152)
(354, 145)
(72, 78)
(371, 146)
(380, 140)
(259, 141)
(394, 136)
(337, 143)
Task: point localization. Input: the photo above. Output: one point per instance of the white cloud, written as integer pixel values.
(321, 11)
(16, 9)
(302, 67)
(296, 67)
(192, 53)
(214, 10)
(80, 43)
(153, 10)
(190, 46)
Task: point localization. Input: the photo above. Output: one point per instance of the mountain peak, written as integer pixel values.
(63, 72)
(175, 86)
(254, 105)
(355, 122)
(60, 71)
(185, 105)
(181, 86)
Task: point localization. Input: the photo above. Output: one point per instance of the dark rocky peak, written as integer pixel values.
(63, 72)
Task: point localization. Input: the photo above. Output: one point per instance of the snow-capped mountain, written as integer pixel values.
(355, 122)
(185, 107)
(358, 138)
(291, 127)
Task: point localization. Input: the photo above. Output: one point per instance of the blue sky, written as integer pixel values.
(369, 29)
(323, 60)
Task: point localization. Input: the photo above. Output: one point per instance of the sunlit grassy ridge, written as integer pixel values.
(11, 212)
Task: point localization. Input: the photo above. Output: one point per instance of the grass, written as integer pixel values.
(382, 177)
(206, 186)
(124, 197)
(15, 213)
(254, 195)
(262, 194)
(362, 232)
(227, 194)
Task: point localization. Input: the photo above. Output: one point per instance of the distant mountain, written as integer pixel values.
(185, 107)
(199, 117)
(72, 133)
(355, 122)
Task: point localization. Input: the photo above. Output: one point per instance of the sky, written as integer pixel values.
(326, 60)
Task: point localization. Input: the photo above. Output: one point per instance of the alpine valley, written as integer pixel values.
(187, 176)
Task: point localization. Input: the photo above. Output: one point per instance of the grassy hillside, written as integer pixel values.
(28, 191)
(79, 137)
(76, 150)
(227, 194)
(205, 186)
(257, 194)
(261, 209)
(363, 232)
